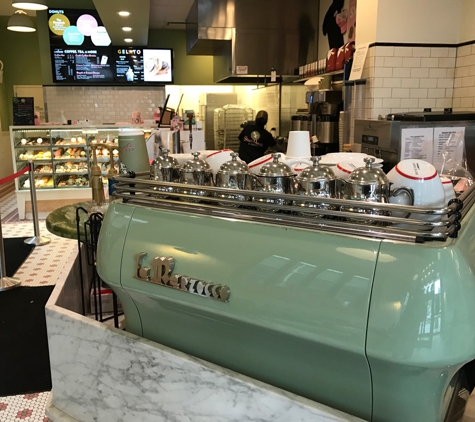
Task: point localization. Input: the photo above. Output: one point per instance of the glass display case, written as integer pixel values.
(63, 158)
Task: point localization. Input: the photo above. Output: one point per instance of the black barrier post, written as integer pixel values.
(36, 240)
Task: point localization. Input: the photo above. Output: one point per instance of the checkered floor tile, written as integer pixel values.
(33, 272)
(24, 408)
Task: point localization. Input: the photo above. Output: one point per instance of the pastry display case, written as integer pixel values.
(63, 159)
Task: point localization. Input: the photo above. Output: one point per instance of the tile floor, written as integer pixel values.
(31, 407)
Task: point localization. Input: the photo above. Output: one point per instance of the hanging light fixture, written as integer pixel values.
(20, 22)
(30, 4)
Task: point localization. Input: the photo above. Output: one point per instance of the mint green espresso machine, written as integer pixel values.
(369, 315)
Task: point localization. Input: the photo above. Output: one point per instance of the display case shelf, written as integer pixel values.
(52, 136)
(75, 160)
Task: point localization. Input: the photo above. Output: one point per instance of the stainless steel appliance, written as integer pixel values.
(383, 138)
(325, 107)
(208, 103)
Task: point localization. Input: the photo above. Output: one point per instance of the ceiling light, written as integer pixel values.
(128, 40)
(123, 13)
(127, 29)
(20, 22)
(30, 5)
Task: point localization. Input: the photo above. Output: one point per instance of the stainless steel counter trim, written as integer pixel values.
(142, 191)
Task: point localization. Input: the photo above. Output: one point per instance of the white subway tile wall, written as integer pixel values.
(401, 79)
(464, 82)
(101, 104)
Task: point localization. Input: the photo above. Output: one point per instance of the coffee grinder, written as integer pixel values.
(324, 107)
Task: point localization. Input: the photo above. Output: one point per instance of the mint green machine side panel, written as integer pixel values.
(421, 329)
(298, 309)
(109, 255)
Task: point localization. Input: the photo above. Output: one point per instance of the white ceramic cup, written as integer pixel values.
(298, 166)
(448, 189)
(183, 158)
(255, 166)
(298, 144)
(423, 179)
(217, 158)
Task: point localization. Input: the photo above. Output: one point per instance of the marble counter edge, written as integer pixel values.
(58, 315)
(56, 414)
(209, 366)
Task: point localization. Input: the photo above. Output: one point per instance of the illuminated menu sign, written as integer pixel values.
(81, 49)
(81, 52)
(129, 65)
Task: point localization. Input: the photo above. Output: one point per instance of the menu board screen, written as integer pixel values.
(129, 65)
(81, 49)
(82, 65)
(81, 52)
(157, 65)
(144, 65)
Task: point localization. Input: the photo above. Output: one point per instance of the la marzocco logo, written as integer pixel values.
(160, 273)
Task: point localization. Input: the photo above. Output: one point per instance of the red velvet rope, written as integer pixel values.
(14, 176)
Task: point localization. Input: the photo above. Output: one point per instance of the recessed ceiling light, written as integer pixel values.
(127, 29)
(128, 40)
(123, 13)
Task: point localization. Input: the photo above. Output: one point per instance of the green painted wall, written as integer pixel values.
(21, 58)
(189, 70)
(27, 59)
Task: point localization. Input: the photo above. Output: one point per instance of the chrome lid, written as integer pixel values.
(195, 164)
(368, 174)
(165, 161)
(316, 172)
(234, 166)
(276, 168)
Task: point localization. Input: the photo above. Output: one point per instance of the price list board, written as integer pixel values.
(92, 65)
(129, 65)
(64, 65)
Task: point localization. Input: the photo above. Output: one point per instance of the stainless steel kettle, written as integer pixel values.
(275, 177)
(233, 174)
(164, 169)
(370, 184)
(315, 181)
(195, 172)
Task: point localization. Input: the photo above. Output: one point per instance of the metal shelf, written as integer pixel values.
(302, 80)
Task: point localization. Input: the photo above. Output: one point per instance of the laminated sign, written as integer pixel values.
(241, 70)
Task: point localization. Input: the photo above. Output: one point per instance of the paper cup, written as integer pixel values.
(133, 150)
(298, 144)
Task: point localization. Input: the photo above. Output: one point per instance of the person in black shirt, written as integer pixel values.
(255, 139)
